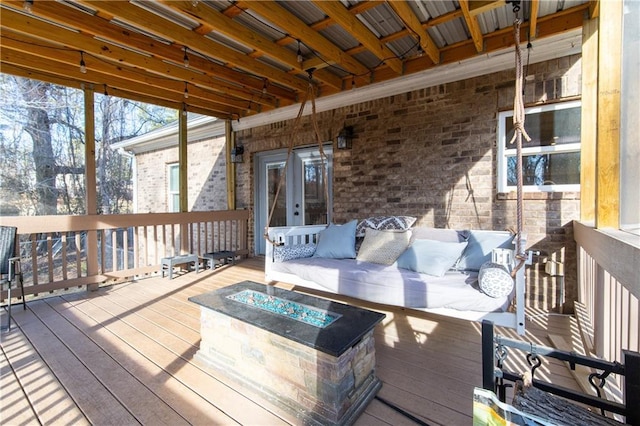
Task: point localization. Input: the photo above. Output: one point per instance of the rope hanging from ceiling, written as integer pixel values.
(309, 95)
(519, 133)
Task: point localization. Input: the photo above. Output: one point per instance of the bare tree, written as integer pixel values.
(42, 145)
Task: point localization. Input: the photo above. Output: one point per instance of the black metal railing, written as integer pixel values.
(496, 378)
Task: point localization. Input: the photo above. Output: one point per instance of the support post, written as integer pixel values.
(488, 380)
(91, 201)
(632, 386)
(231, 167)
(184, 194)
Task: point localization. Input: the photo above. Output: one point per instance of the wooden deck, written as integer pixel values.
(124, 355)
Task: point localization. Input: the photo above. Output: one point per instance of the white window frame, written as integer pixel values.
(504, 152)
(171, 208)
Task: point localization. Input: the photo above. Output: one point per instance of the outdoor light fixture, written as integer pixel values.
(83, 66)
(344, 139)
(299, 54)
(236, 154)
(185, 58)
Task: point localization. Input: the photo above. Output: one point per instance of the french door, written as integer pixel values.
(302, 198)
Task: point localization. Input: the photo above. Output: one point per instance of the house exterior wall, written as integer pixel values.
(206, 171)
(431, 153)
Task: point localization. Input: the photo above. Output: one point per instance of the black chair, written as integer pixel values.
(10, 269)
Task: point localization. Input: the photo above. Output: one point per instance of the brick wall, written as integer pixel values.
(206, 170)
(431, 153)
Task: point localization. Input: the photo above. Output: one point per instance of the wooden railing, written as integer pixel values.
(59, 252)
(608, 306)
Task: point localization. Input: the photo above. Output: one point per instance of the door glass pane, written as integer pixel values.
(274, 173)
(315, 203)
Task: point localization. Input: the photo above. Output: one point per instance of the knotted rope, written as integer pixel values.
(519, 132)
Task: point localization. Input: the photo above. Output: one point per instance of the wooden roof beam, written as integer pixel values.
(158, 25)
(47, 32)
(54, 79)
(476, 7)
(101, 72)
(402, 8)
(96, 78)
(472, 25)
(297, 28)
(360, 32)
(533, 18)
(100, 27)
(212, 20)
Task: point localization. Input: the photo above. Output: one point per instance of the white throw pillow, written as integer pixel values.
(383, 247)
(495, 280)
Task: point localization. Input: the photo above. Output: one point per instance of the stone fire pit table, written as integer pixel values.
(312, 358)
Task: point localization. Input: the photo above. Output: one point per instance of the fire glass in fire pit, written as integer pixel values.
(297, 311)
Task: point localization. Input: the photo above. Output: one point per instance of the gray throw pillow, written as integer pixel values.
(481, 244)
(430, 256)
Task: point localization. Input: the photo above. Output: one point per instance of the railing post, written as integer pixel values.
(632, 386)
(488, 380)
(92, 257)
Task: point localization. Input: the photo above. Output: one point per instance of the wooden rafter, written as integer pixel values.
(137, 48)
(94, 26)
(301, 31)
(476, 7)
(401, 7)
(360, 32)
(472, 25)
(157, 25)
(58, 63)
(212, 20)
(22, 71)
(104, 54)
(533, 18)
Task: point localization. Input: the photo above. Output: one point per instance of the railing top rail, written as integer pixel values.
(43, 224)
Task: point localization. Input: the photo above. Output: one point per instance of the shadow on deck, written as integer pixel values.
(124, 355)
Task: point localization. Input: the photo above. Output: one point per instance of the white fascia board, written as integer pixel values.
(199, 128)
(565, 44)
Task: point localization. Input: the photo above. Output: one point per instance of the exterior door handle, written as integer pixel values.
(296, 213)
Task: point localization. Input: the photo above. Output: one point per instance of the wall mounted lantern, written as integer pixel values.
(236, 154)
(345, 137)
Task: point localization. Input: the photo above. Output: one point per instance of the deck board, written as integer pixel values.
(124, 354)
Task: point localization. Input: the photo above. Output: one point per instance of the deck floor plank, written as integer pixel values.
(145, 334)
(138, 400)
(94, 399)
(174, 355)
(192, 407)
(28, 388)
